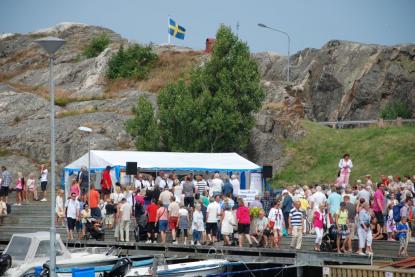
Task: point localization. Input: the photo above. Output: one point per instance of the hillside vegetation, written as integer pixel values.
(375, 151)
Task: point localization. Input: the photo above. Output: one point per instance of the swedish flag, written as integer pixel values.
(175, 30)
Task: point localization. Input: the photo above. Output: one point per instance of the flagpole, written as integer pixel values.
(168, 30)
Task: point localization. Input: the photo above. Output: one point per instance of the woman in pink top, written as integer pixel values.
(162, 219)
(138, 197)
(75, 188)
(244, 220)
(318, 223)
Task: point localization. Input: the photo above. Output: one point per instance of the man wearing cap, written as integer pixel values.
(287, 204)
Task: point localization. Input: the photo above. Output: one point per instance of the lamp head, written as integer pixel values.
(50, 44)
(262, 25)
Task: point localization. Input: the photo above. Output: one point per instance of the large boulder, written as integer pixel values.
(347, 80)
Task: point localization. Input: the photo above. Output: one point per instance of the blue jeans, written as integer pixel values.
(196, 235)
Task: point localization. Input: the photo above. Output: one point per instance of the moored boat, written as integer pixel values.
(190, 269)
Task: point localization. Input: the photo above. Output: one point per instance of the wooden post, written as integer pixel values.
(399, 121)
(381, 123)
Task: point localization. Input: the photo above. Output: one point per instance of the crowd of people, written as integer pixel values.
(208, 209)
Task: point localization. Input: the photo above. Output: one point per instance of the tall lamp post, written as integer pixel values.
(51, 45)
(89, 131)
(289, 43)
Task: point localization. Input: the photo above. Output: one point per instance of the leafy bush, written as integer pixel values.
(133, 63)
(96, 46)
(395, 109)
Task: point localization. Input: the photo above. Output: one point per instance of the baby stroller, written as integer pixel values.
(94, 229)
(328, 243)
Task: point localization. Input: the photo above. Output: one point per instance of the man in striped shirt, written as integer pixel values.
(201, 185)
(296, 225)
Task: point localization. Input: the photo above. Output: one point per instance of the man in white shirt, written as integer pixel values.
(212, 215)
(125, 220)
(365, 194)
(216, 185)
(72, 214)
(235, 185)
(318, 198)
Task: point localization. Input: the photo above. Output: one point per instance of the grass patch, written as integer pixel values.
(169, 67)
(62, 97)
(373, 150)
(4, 152)
(75, 112)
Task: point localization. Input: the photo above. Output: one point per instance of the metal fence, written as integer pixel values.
(362, 123)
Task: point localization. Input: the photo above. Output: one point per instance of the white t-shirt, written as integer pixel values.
(236, 186)
(162, 183)
(125, 211)
(73, 208)
(139, 184)
(318, 199)
(117, 197)
(216, 185)
(183, 212)
(213, 210)
(44, 175)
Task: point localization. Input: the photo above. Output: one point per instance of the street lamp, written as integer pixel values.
(89, 131)
(289, 42)
(51, 45)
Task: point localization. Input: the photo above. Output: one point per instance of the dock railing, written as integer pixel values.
(381, 123)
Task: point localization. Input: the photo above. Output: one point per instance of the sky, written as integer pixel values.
(310, 23)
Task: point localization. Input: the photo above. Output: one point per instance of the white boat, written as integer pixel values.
(191, 269)
(31, 250)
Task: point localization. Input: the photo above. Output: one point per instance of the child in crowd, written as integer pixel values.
(390, 223)
(75, 188)
(59, 208)
(31, 185)
(402, 230)
(19, 189)
(183, 223)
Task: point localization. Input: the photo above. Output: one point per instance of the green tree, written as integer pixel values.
(135, 62)
(96, 46)
(213, 111)
(143, 126)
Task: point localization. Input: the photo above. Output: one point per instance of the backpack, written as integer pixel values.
(8, 208)
(397, 212)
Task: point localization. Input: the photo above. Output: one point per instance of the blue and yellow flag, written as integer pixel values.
(175, 30)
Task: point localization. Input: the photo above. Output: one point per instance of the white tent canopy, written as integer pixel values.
(224, 162)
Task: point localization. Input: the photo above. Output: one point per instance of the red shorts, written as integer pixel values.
(173, 222)
(271, 224)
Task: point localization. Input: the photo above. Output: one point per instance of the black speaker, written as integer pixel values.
(267, 171)
(131, 168)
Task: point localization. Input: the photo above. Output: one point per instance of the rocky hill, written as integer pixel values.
(343, 80)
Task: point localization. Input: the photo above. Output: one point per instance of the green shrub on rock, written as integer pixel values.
(96, 46)
(134, 62)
